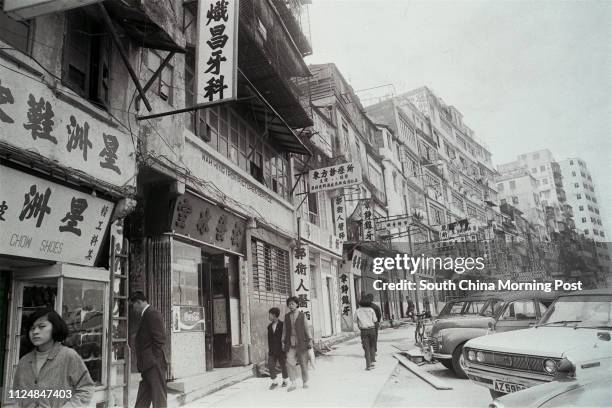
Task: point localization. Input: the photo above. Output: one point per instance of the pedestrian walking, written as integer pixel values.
(296, 343)
(378, 312)
(51, 375)
(151, 359)
(275, 348)
(365, 317)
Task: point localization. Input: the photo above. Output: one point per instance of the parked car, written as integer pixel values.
(465, 306)
(571, 342)
(502, 311)
(594, 392)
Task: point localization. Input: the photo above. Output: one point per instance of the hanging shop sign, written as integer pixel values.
(345, 294)
(367, 222)
(44, 220)
(217, 51)
(301, 277)
(188, 318)
(32, 118)
(206, 222)
(398, 222)
(458, 228)
(356, 262)
(340, 218)
(333, 177)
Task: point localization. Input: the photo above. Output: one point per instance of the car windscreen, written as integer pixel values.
(491, 307)
(582, 310)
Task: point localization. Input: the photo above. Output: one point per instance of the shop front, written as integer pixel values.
(50, 249)
(192, 269)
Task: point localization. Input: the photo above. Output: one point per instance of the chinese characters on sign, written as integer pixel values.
(457, 229)
(301, 277)
(331, 178)
(345, 294)
(44, 220)
(340, 218)
(216, 50)
(32, 118)
(206, 222)
(398, 222)
(367, 222)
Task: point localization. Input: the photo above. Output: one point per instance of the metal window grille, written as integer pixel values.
(271, 280)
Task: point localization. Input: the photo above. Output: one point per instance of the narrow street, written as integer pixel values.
(340, 380)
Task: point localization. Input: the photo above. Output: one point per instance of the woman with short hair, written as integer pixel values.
(52, 375)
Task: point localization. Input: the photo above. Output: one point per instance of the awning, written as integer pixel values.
(138, 19)
(278, 130)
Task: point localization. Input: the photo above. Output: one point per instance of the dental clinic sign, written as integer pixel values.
(44, 220)
(34, 119)
(217, 51)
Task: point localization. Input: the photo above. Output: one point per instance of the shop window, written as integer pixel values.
(163, 84)
(13, 32)
(271, 279)
(83, 311)
(86, 57)
(186, 276)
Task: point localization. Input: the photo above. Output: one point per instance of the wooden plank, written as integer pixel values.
(424, 375)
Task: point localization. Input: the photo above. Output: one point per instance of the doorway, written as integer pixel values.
(4, 291)
(216, 287)
(330, 310)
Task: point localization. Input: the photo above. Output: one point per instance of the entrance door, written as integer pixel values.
(216, 301)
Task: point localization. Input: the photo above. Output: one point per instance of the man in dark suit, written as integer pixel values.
(275, 348)
(151, 358)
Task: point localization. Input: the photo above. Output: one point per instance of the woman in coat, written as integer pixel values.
(52, 375)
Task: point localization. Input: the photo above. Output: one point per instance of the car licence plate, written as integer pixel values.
(507, 387)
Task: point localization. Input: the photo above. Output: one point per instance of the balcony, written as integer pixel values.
(291, 13)
(270, 59)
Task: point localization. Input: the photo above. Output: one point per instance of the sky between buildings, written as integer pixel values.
(526, 75)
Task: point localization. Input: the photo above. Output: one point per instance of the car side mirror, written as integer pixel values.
(605, 336)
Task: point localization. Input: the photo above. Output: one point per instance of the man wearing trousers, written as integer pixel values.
(378, 312)
(366, 319)
(151, 358)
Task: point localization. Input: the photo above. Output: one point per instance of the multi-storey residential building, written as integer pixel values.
(354, 141)
(543, 167)
(517, 186)
(582, 197)
(446, 174)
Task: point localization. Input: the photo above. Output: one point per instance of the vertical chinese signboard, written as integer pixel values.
(44, 220)
(217, 51)
(340, 218)
(301, 277)
(367, 222)
(345, 295)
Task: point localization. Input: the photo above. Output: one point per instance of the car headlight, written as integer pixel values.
(471, 355)
(480, 357)
(550, 366)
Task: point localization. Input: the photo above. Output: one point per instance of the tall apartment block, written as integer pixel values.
(586, 209)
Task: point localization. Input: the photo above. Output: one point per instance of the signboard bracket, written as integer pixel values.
(155, 75)
(300, 175)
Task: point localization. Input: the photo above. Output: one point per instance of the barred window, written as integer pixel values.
(271, 280)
